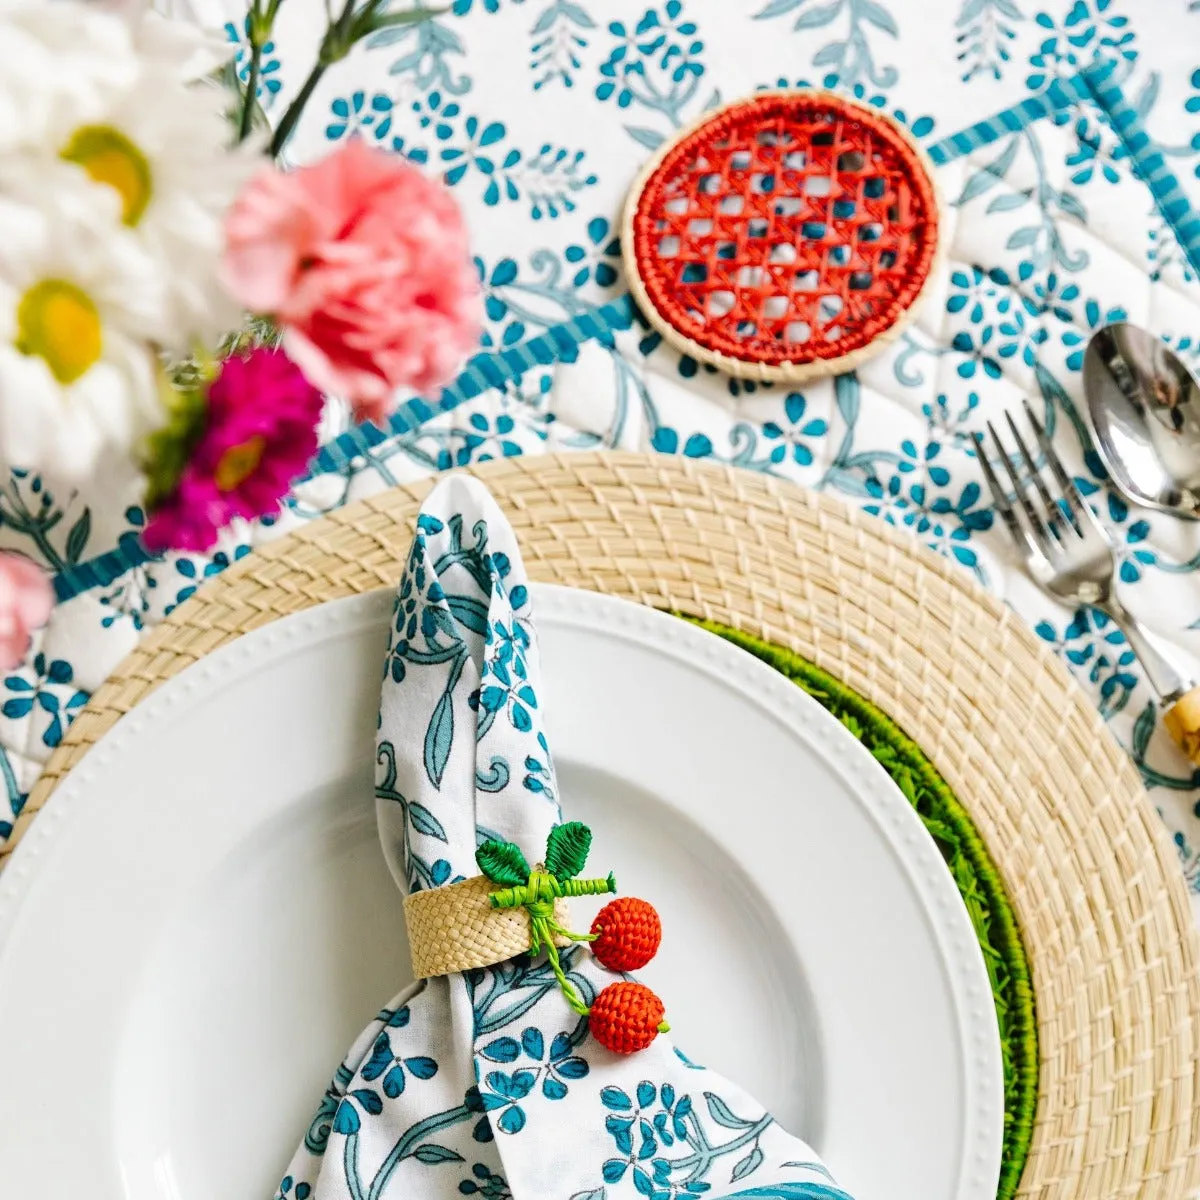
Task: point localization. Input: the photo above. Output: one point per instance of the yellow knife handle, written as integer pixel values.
(1182, 720)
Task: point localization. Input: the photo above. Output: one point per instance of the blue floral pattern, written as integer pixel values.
(483, 1066)
(538, 114)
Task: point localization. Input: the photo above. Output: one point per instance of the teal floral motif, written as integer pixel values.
(655, 65)
(666, 441)
(385, 1065)
(462, 7)
(1127, 535)
(45, 685)
(1000, 324)
(1163, 252)
(13, 798)
(482, 441)
(1091, 30)
(466, 147)
(538, 774)
(953, 419)
(426, 62)
(920, 495)
(1093, 318)
(30, 509)
(502, 1091)
(596, 258)
(1098, 654)
(196, 570)
(284, 1192)
(129, 596)
(418, 820)
(269, 82)
(662, 1144)
(1042, 239)
(850, 56)
(485, 1184)
(356, 115)
(793, 436)
(558, 37)
(986, 29)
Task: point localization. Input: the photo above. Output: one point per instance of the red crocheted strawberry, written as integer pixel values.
(627, 1017)
(627, 934)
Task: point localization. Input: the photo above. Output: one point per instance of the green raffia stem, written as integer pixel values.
(973, 871)
(568, 847)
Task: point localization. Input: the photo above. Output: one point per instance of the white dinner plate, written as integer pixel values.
(201, 921)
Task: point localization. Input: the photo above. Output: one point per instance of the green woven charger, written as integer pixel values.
(976, 877)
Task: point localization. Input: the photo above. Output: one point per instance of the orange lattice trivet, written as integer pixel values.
(784, 236)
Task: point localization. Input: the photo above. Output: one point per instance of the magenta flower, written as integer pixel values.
(259, 431)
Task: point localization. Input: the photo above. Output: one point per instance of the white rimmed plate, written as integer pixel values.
(201, 921)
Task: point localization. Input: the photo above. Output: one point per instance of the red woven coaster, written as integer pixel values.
(784, 236)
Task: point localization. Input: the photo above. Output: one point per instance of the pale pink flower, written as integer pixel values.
(26, 599)
(364, 263)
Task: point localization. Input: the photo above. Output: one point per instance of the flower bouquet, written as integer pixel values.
(177, 308)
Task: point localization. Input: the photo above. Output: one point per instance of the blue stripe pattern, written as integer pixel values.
(1149, 161)
(561, 343)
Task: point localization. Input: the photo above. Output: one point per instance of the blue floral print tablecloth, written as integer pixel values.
(1066, 135)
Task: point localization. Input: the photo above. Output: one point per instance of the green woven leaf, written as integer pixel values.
(567, 849)
(502, 862)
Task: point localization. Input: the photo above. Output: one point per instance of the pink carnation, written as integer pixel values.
(364, 263)
(26, 599)
(260, 430)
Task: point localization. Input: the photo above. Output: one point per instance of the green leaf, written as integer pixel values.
(430, 1154)
(723, 1114)
(374, 22)
(503, 862)
(567, 849)
(78, 537)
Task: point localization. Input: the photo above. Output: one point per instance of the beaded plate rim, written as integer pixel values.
(747, 368)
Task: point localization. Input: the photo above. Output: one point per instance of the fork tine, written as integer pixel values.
(1033, 526)
(999, 499)
(1052, 509)
(1078, 506)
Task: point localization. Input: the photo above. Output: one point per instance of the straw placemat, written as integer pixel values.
(1102, 908)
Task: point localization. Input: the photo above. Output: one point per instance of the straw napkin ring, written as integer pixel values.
(513, 909)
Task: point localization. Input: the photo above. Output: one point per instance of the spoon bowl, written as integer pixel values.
(1144, 406)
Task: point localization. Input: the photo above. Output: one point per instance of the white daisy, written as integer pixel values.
(56, 63)
(78, 309)
(158, 143)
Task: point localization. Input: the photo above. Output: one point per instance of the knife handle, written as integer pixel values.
(1182, 720)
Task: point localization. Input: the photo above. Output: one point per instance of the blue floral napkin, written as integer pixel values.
(487, 1083)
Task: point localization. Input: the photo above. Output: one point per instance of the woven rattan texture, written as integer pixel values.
(788, 231)
(456, 928)
(1103, 910)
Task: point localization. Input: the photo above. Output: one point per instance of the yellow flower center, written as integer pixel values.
(59, 322)
(239, 462)
(108, 156)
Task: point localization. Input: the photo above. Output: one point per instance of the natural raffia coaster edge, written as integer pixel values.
(1083, 856)
(745, 368)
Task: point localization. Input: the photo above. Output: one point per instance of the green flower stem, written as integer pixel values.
(341, 35)
(247, 117)
(283, 130)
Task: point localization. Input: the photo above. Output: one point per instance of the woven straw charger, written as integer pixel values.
(1097, 891)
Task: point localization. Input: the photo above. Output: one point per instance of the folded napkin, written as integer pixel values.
(488, 1083)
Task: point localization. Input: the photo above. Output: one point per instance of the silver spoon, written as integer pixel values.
(1144, 405)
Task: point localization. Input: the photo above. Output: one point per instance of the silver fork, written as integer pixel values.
(1066, 549)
